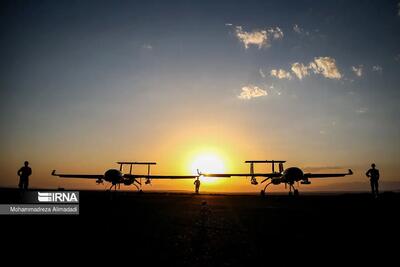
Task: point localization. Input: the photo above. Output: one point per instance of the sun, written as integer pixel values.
(207, 163)
(207, 160)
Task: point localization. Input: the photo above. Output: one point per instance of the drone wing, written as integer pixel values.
(327, 175)
(135, 176)
(82, 176)
(228, 175)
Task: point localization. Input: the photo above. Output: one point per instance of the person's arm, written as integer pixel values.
(19, 172)
(30, 172)
(368, 173)
(377, 174)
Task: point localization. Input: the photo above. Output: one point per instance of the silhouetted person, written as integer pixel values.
(373, 175)
(197, 185)
(24, 174)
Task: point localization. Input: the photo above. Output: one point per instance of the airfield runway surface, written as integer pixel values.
(223, 230)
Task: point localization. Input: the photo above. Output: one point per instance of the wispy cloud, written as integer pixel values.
(297, 29)
(251, 91)
(281, 74)
(300, 70)
(147, 46)
(377, 68)
(228, 24)
(262, 73)
(358, 71)
(362, 110)
(274, 90)
(276, 33)
(398, 9)
(259, 38)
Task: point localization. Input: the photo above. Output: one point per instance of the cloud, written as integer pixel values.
(377, 68)
(228, 24)
(274, 90)
(398, 9)
(300, 70)
(281, 74)
(358, 71)
(326, 66)
(362, 110)
(262, 73)
(251, 91)
(297, 29)
(300, 31)
(276, 33)
(147, 47)
(259, 38)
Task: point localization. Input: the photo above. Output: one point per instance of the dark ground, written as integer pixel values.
(218, 230)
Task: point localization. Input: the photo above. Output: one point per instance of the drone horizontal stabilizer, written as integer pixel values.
(265, 161)
(136, 163)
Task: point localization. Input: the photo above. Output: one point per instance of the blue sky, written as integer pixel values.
(88, 78)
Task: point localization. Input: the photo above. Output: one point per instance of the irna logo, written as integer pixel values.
(58, 197)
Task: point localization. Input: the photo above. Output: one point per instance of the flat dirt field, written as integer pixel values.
(221, 230)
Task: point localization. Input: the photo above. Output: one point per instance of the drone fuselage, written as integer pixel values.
(289, 176)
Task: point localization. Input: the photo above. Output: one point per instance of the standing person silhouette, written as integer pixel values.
(24, 172)
(373, 175)
(197, 185)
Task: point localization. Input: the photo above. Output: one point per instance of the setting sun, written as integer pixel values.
(207, 163)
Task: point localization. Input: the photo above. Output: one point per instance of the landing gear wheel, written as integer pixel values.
(296, 192)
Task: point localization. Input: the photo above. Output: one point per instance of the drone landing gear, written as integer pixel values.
(295, 191)
(265, 188)
(137, 187)
(112, 193)
(292, 190)
(111, 187)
